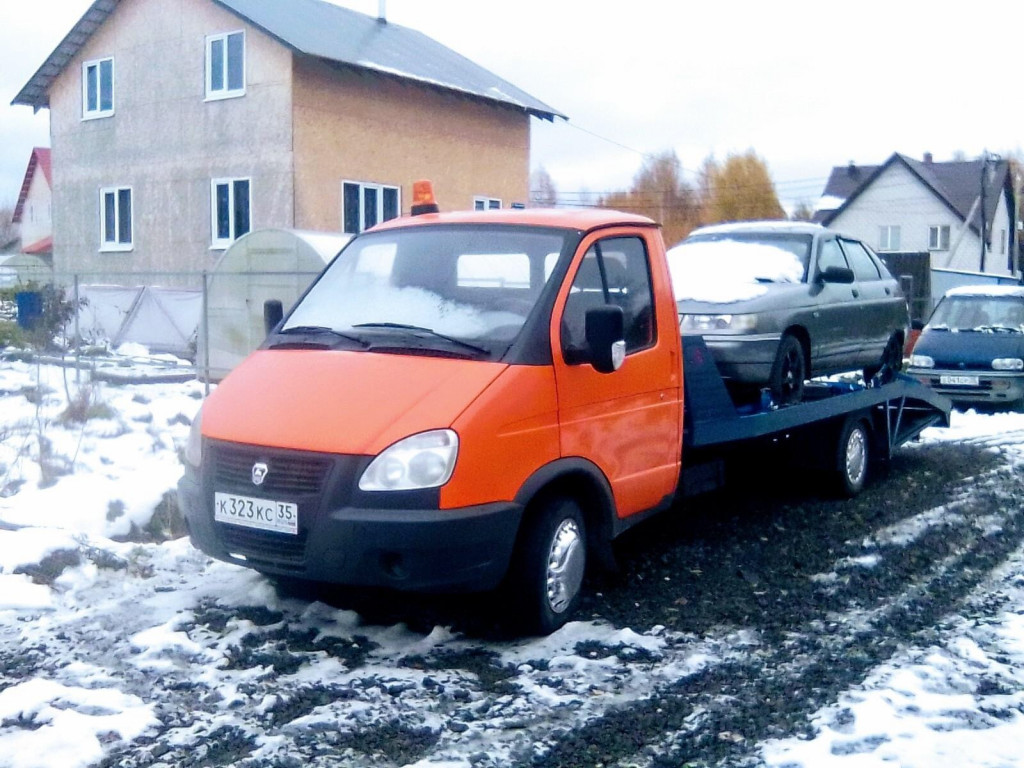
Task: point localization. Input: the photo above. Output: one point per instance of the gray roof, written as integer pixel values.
(957, 184)
(325, 31)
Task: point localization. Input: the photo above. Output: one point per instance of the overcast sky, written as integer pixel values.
(807, 85)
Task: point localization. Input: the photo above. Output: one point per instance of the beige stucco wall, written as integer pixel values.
(466, 148)
(165, 141)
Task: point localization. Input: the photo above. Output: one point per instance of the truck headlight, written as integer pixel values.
(704, 323)
(1008, 364)
(194, 446)
(921, 361)
(426, 460)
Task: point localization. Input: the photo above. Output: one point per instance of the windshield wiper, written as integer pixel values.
(998, 328)
(318, 329)
(429, 331)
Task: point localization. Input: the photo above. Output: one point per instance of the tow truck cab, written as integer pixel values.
(458, 400)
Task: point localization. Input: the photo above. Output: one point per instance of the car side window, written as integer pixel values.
(861, 263)
(831, 256)
(614, 271)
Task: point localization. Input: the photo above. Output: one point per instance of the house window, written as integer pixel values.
(1002, 242)
(225, 65)
(97, 89)
(231, 216)
(116, 219)
(889, 238)
(364, 205)
(938, 238)
(486, 203)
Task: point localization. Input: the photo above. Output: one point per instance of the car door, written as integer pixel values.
(627, 422)
(833, 323)
(878, 303)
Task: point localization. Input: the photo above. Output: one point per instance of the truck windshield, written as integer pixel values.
(432, 287)
(991, 314)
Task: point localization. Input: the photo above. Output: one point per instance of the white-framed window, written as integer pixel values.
(97, 89)
(364, 205)
(481, 203)
(116, 230)
(231, 210)
(889, 237)
(938, 238)
(225, 65)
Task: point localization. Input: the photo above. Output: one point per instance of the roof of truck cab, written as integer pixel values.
(563, 218)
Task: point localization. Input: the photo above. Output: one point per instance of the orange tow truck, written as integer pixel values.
(468, 401)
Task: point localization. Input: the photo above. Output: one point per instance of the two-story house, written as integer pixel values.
(33, 211)
(942, 208)
(179, 125)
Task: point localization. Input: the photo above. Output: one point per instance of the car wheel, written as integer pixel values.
(853, 453)
(788, 371)
(890, 364)
(547, 574)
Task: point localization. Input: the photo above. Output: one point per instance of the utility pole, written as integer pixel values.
(984, 168)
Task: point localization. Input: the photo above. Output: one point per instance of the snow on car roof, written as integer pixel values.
(992, 291)
(801, 227)
(724, 272)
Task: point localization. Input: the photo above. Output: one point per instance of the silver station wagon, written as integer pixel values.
(781, 302)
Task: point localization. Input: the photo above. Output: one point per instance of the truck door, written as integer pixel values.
(627, 422)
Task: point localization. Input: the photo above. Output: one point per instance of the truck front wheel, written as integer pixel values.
(547, 574)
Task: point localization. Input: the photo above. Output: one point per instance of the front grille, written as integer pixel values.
(294, 476)
(282, 550)
(291, 474)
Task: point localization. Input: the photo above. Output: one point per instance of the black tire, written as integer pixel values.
(788, 372)
(853, 457)
(890, 364)
(546, 578)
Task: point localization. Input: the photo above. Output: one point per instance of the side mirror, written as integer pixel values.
(917, 325)
(836, 275)
(605, 333)
(273, 311)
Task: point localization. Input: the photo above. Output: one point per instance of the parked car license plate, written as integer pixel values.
(959, 381)
(265, 514)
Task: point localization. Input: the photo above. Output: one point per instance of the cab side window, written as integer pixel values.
(614, 271)
(863, 267)
(830, 256)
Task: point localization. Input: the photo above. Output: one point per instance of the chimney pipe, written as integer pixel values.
(382, 11)
(928, 158)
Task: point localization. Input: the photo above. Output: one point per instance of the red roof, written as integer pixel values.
(40, 246)
(40, 159)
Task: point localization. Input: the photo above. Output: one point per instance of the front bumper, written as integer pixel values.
(745, 358)
(409, 549)
(992, 388)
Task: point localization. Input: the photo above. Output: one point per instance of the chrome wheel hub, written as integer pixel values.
(565, 565)
(856, 456)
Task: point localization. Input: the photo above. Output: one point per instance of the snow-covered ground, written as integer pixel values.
(118, 648)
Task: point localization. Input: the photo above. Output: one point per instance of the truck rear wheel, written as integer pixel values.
(853, 453)
(547, 574)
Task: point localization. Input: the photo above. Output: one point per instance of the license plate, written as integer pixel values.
(959, 381)
(248, 511)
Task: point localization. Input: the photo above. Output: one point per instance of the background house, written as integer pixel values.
(906, 205)
(177, 127)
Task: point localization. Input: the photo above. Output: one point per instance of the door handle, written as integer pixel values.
(856, 294)
(888, 291)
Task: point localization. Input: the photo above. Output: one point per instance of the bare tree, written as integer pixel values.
(8, 229)
(543, 193)
(660, 192)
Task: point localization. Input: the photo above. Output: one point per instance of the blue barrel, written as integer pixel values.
(30, 308)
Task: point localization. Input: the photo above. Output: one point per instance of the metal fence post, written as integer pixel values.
(205, 324)
(78, 338)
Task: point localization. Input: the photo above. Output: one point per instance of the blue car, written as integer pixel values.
(972, 349)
